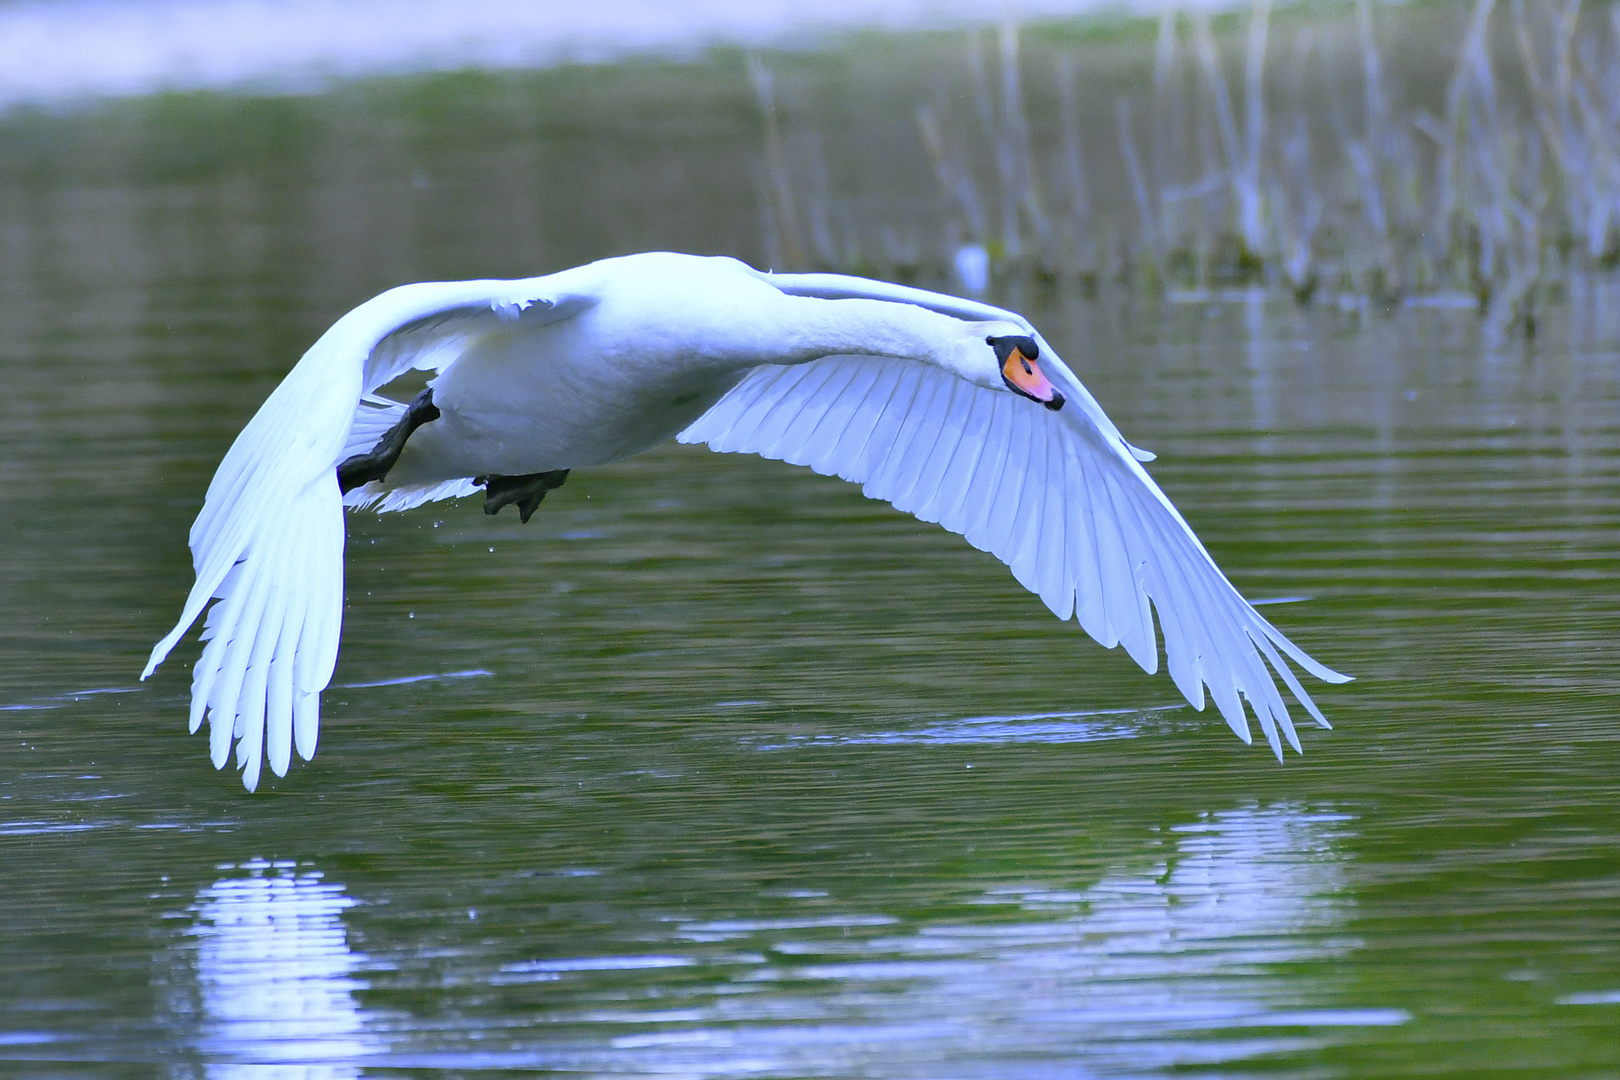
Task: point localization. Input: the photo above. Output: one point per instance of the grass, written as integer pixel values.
(1456, 155)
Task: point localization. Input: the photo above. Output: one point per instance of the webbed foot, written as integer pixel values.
(526, 491)
(374, 464)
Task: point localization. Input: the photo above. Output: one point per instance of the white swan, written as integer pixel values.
(949, 409)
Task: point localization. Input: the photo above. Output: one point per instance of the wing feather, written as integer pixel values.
(249, 721)
(956, 511)
(980, 489)
(833, 434)
(932, 480)
(1057, 573)
(854, 428)
(1088, 609)
(462, 312)
(278, 696)
(233, 647)
(280, 688)
(897, 477)
(754, 405)
(888, 426)
(1186, 600)
(1059, 497)
(793, 427)
(1133, 623)
(388, 500)
(828, 411)
(1008, 489)
(1020, 555)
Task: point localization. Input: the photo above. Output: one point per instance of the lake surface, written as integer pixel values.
(717, 768)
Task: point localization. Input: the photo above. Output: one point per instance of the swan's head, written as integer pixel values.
(1015, 356)
(997, 355)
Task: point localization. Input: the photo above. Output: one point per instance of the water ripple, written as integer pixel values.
(1024, 728)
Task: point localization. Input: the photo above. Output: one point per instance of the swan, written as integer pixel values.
(953, 410)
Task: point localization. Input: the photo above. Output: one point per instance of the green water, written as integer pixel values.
(716, 768)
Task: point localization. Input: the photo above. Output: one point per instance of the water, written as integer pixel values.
(716, 768)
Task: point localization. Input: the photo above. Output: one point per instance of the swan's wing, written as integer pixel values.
(432, 343)
(268, 543)
(845, 287)
(1060, 500)
(432, 340)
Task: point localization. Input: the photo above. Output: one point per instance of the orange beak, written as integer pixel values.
(1024, 376)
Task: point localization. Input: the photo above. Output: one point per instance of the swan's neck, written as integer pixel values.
(814, 328)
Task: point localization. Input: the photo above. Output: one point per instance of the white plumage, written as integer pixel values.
(900, 390)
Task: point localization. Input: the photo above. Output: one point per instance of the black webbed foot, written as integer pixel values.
(374, 465)
(526, 491)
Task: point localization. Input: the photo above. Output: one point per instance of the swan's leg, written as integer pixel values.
(374, 465)
(526, 491)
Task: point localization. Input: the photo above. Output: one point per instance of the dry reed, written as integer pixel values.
(1506, 197)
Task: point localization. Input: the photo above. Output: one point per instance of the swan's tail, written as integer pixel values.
(268, 546)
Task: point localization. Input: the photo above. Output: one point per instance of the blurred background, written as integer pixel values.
(716, 768)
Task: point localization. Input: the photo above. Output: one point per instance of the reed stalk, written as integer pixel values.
(1507, 195)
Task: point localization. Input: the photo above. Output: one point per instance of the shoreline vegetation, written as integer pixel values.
(1441, 156)
(1352, 156)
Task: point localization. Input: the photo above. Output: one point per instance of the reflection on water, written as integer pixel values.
(406, 680)
(1149, 968)
(1601, 997)
(275, 975)
(1195, 951)
(1054, 727)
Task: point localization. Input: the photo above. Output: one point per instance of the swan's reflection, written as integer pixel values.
(275, 975)
(1209, 952)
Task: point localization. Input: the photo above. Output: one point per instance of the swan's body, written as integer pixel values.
(904, 391)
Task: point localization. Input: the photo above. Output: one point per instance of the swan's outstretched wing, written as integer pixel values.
(1057, 497)
(845, 287)
(268, 543)
(458, 312)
